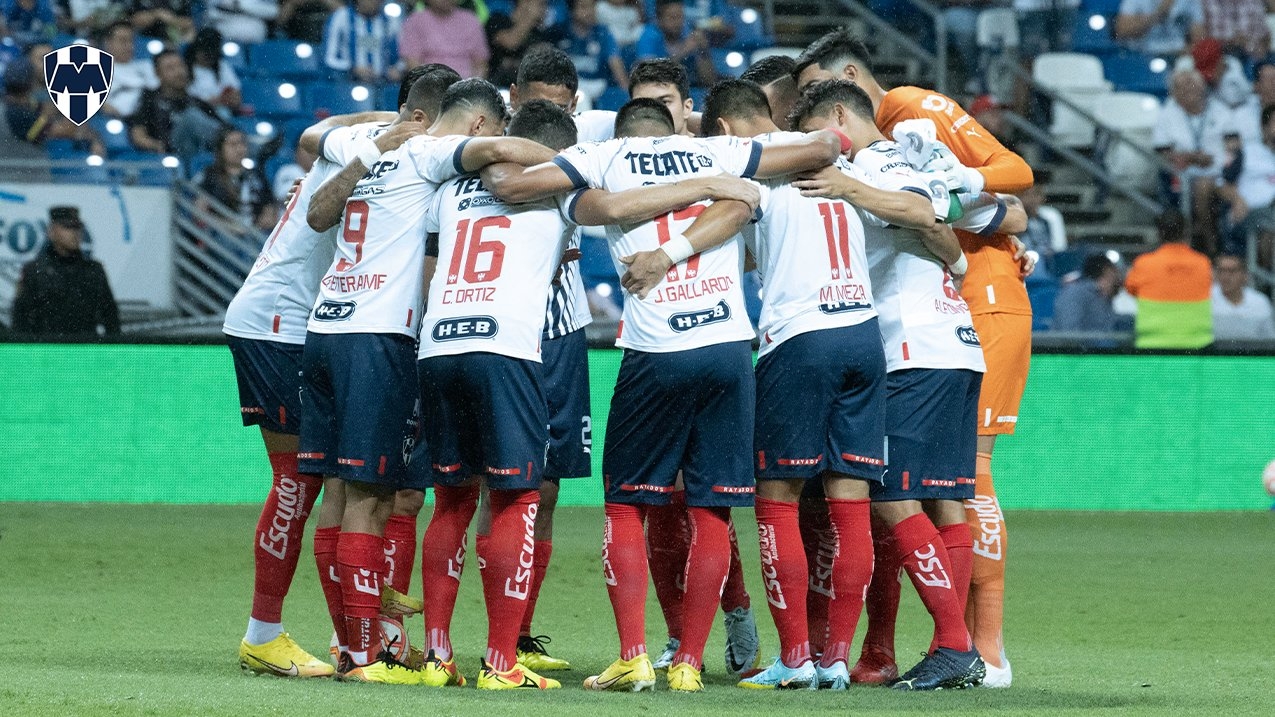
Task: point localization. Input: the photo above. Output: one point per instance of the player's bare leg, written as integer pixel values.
(984, 612)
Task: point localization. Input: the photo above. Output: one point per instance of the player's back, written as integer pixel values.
(495, 265)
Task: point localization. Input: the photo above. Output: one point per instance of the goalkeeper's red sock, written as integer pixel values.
(325, 541)
(360, 558)
(443, 560)
(544, 550)
(706, 569)
(501, 555)
(928, 565)
(784, 572)
(668, 542)
(624, 564)
(279, 535)
(400, 551)
(851, 573)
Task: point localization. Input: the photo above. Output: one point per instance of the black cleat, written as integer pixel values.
(944, 669)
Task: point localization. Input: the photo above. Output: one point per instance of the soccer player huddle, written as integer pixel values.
(416, 321)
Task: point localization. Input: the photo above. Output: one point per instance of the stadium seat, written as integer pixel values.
(266, 97)
(1134, 72)
(198, 163)
(1079, 79)
(387, 97)
(1094, 40)
(116, 141)
(595, 259)
(1042, 290)
(997, 29)
(286, 58)
(750, 30)
(613, 98)
(237, 61)
(64, 149)
(1133, 115)
(339, 98)
(1100, 7)
(723, 59)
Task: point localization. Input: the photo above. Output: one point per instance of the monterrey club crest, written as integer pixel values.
(78, 78)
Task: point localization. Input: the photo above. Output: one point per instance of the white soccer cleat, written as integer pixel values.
(782, 677)
(998, 677)
(834, 677)
(665, 660)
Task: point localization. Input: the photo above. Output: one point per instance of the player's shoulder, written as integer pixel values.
(595, 125)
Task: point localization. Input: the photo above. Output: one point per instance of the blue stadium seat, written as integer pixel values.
(336, 98)
(752, 296)
(154, 176)
(613, 98)
(1042, 291)
(263, 95)
(1100, 7)
(198, 163)
(1132, 72)
(749, 35)
(115, 142)
(279, 58)
(1094, 42)
(595, 259)
(387, 97)
(238, 61)
(64, 149)
(721, 63)
(84, 174)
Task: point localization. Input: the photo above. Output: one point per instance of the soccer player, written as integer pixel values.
(997, 299)
(774, 75)
(359, 361)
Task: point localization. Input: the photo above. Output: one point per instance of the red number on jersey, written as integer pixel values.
(470, 243)
(838, 238)
(949, 287)
(354, 231)
(664, 233)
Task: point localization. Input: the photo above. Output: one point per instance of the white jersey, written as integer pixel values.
(274, 302)
(495, 263)
(924, 321)
(700, 301)
(595, 126)
(374, 283)
(811, 259)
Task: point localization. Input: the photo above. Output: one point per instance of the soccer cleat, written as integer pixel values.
(944, 669)
(343, 665)
(441, 673)
(532, 654)
(874, 668)
(385, 670)
(835, 677)
(415, 658)
(516, 678)
(782, 677)
(998, 677)
(334, 651)
(399, 605)
(281, 657)
(743, 649)
(624, 676)
(665, 660)
(684, 678)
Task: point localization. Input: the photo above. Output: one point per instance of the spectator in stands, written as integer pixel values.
(169, 118)
(961, 17)
(623, 18)
(91, 17)
(1172, 285)
(244, 21)
(171, 20)
(1190, 134)
(509, 36)
(669, 37)
(774, 74)
(29, 122)
(446, 34)
(1085, 303)
(213, 80)
(242, 190)
(361, 40)
(1248, 116)
(1239, 311)
(62, 293)
(304, 20)
(1045, 25)
(1159, 27)
(289, 173)
(1240, 25)
(1249, 187)
(132, 74)
(592, 50)
(28, 21)
(1223, 74)
(1046, 232)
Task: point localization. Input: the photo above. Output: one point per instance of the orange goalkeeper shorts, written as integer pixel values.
(1007, 349)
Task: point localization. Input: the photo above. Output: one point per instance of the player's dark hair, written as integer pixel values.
(733, 99)
(642, 110)
(1171, 225)
(546, 63)
(834, 51)
(1267, 111)
(426, 94)
(446, 78)
(207, 44)
(1095, 265)
(770, 69)
(660, 71)
(544, 122)
(819, 98)
(110, 29)
(475, 93)
(165, 53)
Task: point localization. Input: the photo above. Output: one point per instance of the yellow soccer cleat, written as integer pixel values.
(441, 673)
(384, 671)
(532, 654)
(624, 676)
(684, 678)
(518, 677)
(399, 605)
(283, 658)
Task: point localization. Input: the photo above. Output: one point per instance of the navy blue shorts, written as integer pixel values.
(360, 390)
(485, 414)
(269, 378)
(566, 383)
(821, 405)
(932, 435)
(685, 410)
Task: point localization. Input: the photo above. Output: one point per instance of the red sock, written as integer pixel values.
(784, 571)
(400, 551)
(668, 543)
(505, 560)
(624, 569)
(926, 562)
(821, 547)
(544, 549)
(279, 535)
(960, 549)
(360, 558)
(443, 560)
(851, 572)
(706, 569)
(734, 594)
(883, 594)
(325, 541)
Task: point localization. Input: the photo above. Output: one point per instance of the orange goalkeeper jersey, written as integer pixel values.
(993, 283)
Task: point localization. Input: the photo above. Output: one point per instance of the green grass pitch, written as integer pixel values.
(138, 610)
